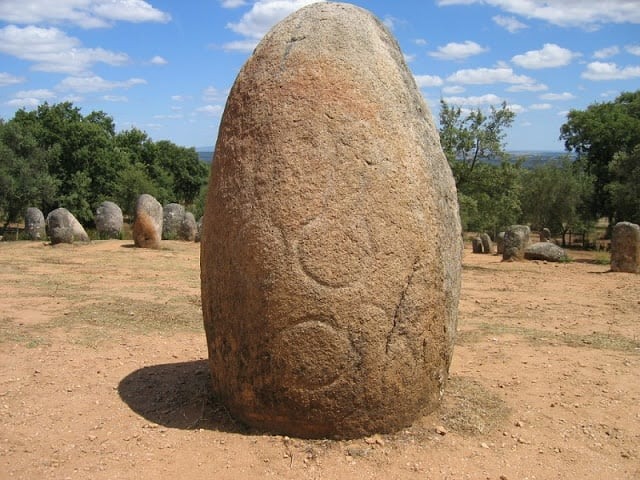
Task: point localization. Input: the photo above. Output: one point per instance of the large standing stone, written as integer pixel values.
(63, 227)
(546, 251)
(35, 226)
(516, 239)
(625, 248)
(109, 220)
(331, 245)
(172, 218)
(147, 225)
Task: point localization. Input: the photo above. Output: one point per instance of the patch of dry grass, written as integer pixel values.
(599, 340)
(468, 408)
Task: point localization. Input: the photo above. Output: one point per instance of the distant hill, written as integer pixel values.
(532, 158)
(205, 154)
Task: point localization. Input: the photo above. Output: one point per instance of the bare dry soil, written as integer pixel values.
(104, 376)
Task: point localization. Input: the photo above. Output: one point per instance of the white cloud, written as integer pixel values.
(557, 96)
(528, 87)
(540, 106)
(515, 108)
(458, 51)
(8, 79)
(609, 93)
(511, 24)
(409, 57)
(606, 52)
(232, 3)
(390, 22)
(210, 110)
(115, 98)
(52, 50)
(550, 56)
(263, 15)
(211, 95)
(588, 14)
(95, 84)
(485, 76)
(474, 101)
(424, 81)
(241, 45)
(453, 90)
(180, 98)
(84, 13)
(633, 49)
(609, 71)
(158, 60)
(420, 41)
(30, 98)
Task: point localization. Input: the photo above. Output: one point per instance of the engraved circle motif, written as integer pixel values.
(311, 355)
(334, 252)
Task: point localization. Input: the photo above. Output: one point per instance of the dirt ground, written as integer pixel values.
(103, 375)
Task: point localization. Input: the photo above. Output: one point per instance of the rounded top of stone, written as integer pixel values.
(326, 27)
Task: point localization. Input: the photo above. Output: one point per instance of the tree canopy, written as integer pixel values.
(605, 137)
(54, 157)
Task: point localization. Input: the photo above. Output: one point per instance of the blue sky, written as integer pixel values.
(165, 66)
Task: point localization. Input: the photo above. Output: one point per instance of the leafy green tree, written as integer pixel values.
(472, 138)
(79, 161)
(554, 196)
(597, 135)
(488, 184)
(624, 187)
(24, 179)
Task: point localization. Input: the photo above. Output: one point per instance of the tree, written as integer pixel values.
(554, 196)
(24, 178)
(472, 138)
(56, 157)
(598, 134)
(624, 187)
(488, 183)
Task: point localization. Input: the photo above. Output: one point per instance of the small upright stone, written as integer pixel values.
(188, 228)
(516, 240)
(109, 221)
(500, 243)
(476, 245)
(199, 230)
(35, 226)
(331, 248)
(63, 227)
(625, 248)
(487, 244)
(147, 225)
(172, 218)
(545, 235)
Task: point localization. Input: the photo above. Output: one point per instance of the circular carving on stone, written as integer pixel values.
(334, 252)
(311, 355)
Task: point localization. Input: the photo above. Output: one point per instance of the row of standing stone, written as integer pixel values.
(152, 224)
(514, 244)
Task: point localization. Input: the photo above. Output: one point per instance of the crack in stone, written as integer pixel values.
(403, 294)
